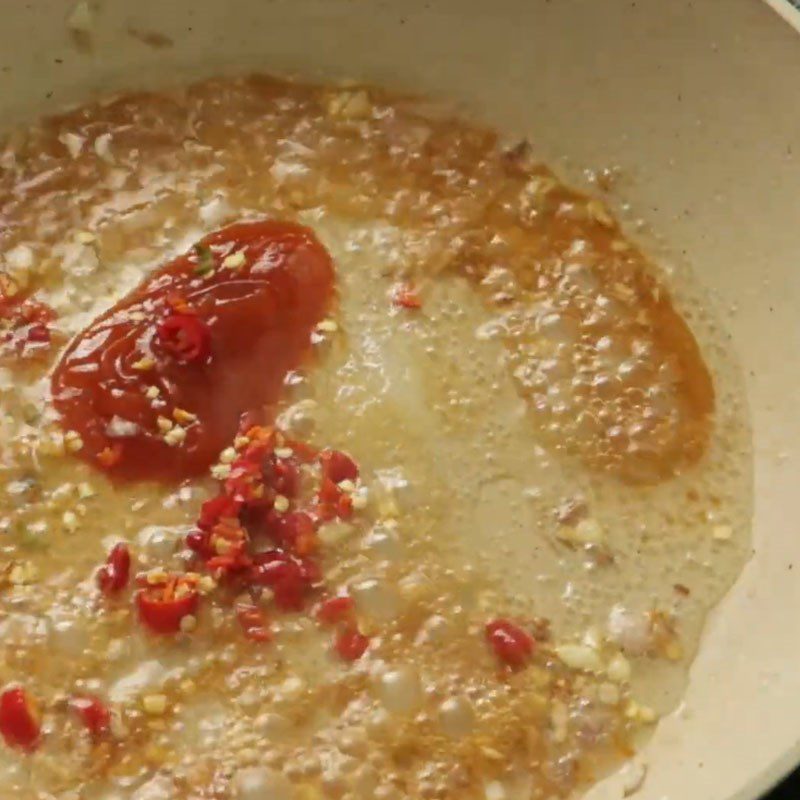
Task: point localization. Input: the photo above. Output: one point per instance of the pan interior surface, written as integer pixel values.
(682, 169)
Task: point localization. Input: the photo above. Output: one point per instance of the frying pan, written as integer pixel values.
(697, 102)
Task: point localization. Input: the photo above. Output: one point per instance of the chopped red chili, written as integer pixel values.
(290, 578)
(113, 576)
(333, 502)
(302, 450)
(245, 484)
(185, 337)
(163, 606)
(93, 712)
(329, 492)
(344, 506)
(335, 609)
(215, 509)
(351, 644)
(39, 333)
(338, 466)
(200, 543)
(511, 644)
(19, 722)
(232, 527)
(228, 541)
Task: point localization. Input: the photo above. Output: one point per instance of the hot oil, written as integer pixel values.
(542, 439)
(434, 393)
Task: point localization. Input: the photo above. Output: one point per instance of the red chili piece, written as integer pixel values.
(281, 475)
(335, 609)
(294, 531)
(350, 644)
(93, 714)
(338, 466)
(511, 644)
(215, 509)
(185, 337)
(290, 578)
(333, 502)
(113, 576)
(19, 723)
(163, 606)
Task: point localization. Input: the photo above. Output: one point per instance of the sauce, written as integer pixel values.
(205, 338)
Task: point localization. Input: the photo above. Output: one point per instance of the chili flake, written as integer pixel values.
(93, 713)
(511, 644)
(335, 609)
(113, 576)
(351, 644)
(19, 722)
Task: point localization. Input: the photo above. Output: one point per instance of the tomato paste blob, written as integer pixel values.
(155, 387)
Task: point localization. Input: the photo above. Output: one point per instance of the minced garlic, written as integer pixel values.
(360, 499)
(234, 260)
(156, 576)
(722, 533)
(220, 471)
(73, 441)
(23, 573)
(154, 704)
(175, 436)
(143, 364)
(70, 521)
(188, 623)
(183, 416)
(227, 456)
(85, 491)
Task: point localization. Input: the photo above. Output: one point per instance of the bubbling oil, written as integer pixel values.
(543, 439)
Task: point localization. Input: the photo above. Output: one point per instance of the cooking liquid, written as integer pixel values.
(541, 440)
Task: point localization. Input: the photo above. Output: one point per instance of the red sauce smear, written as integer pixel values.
(215, 332)
(511, 644)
